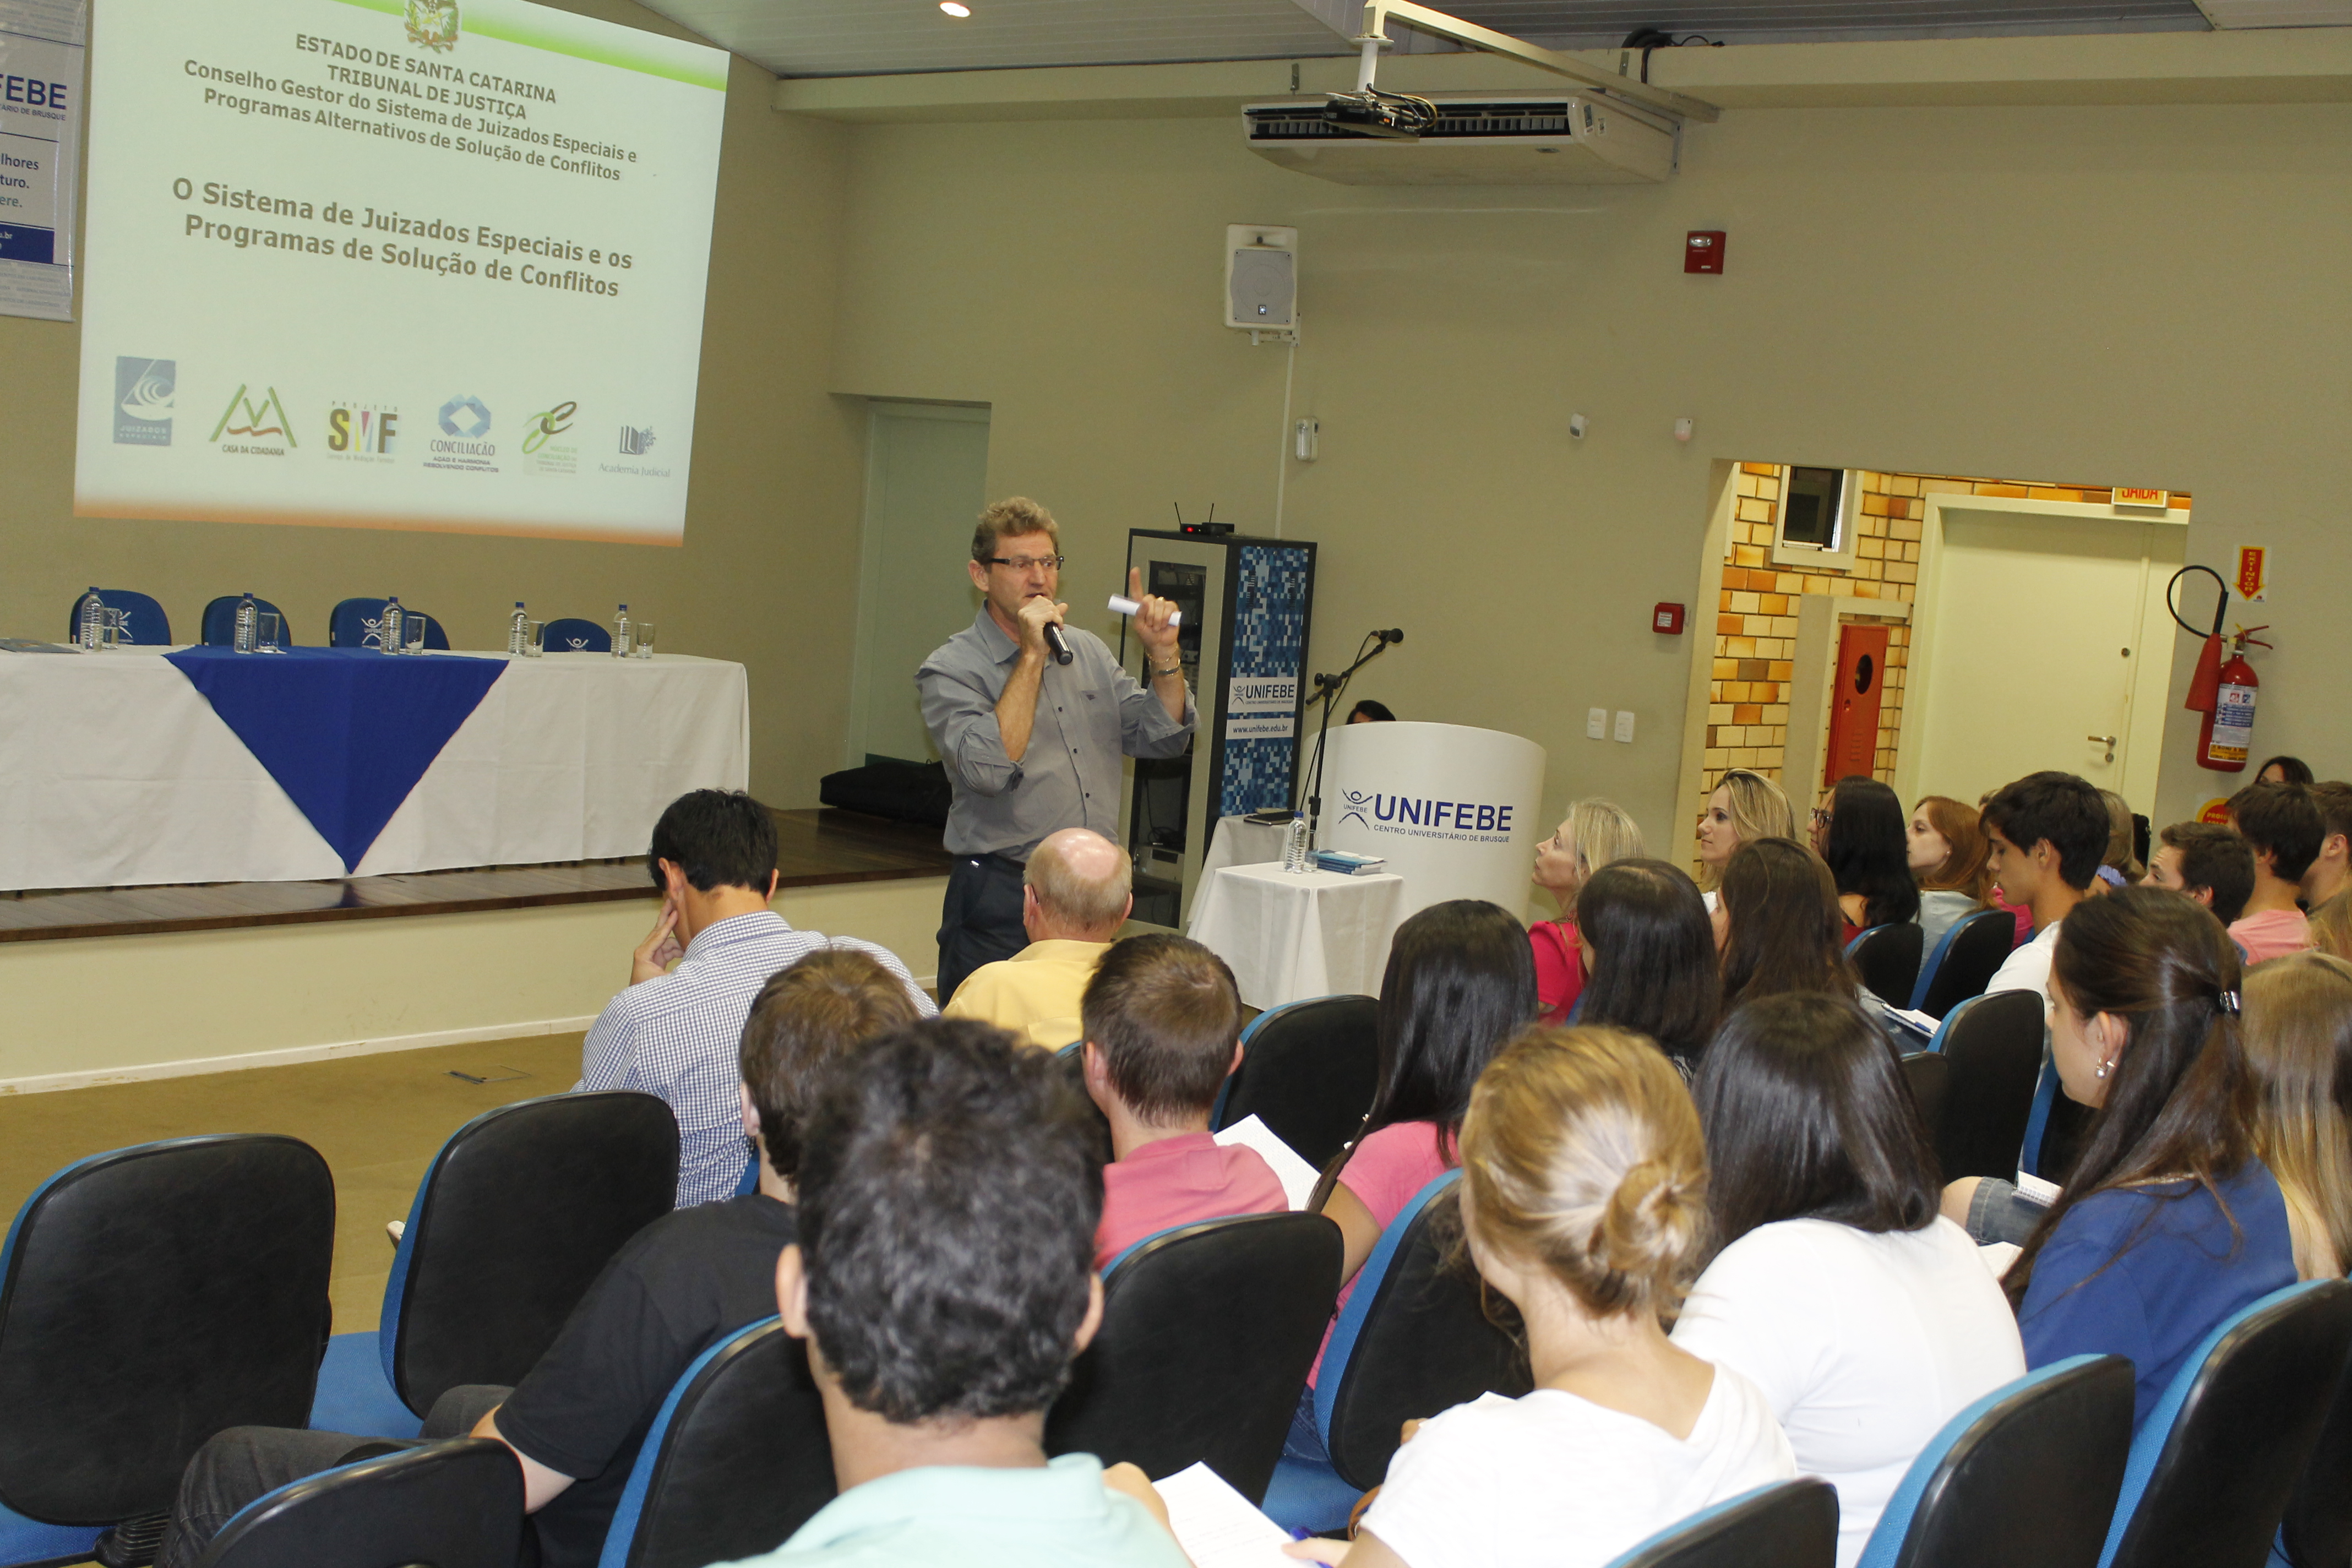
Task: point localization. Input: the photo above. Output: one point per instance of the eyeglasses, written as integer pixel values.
(1023, 563)
(1821, 817)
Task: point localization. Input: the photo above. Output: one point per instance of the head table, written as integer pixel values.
(198, 764)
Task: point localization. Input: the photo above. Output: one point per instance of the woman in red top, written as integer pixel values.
(1593, 834)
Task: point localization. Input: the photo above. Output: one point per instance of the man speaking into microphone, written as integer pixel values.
(1030, 717)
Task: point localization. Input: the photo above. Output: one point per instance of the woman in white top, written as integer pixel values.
(1867, 1321)
(1582, 1200)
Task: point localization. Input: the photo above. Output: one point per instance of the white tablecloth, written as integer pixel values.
(1292, 935)
(1238, 841)
(117, 772)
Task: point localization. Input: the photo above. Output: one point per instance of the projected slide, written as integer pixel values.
(416, 264)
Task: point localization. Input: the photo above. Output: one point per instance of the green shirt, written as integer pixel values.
(1057, 1517)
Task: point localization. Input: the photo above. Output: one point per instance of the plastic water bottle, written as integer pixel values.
(89, 621)
(516, 634)
(621, 635)
(1295, 855)
(249, 625)
(389, 638)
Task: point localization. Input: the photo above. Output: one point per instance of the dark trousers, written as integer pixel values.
(245, 1463)
(980, 920)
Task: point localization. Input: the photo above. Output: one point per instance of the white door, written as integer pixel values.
(2045, 644)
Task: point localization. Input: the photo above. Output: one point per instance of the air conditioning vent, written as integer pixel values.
(1570, 140)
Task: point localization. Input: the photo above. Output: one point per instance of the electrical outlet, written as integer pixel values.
(1596, 723)
(1624, 723)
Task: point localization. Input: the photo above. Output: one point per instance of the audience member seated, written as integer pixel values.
(2044, 835)
(674, 1031)
(1162, 1030)
(1867, 1319)
(2331, 869)
(2119, 867)
(2167, 1223)
(1074, 895)
(2298, 1038)
(1858, 829)
(1744, 806)
(2208, 864)
(944, 1280)
(2284, 770)
(2283, 826)
(1583, 1203)
(2331, 926)
(679, 1286)
(1782, 930)
(1948, 861)
(1649, 956)
(1593, 835)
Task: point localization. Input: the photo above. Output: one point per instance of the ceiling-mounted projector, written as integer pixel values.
(1397, 116)
(1573, 138)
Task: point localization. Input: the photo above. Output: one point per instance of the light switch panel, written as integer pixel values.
(1596, 724)
(1624, 723)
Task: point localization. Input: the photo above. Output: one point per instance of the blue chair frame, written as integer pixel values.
(561, 636)
(1808, 1501)
(218, 628)
(145, 626)
(1935, 960)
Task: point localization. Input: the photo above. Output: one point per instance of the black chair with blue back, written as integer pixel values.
(1888, 958)
(2214, 1463)
(454, 1504)
(570, 633)
(2316, 1531)
(149, 1298)
(736, 1459)
(1791, 1524)
(517, 1213)
(143, 620)
(2024, 1477)
(1207, 1333)
(1994, 1045)
(1964, 960)
(1310, 1071)
(219, 628)
(358, 623)
(1419, 1335)
(1928, 1074)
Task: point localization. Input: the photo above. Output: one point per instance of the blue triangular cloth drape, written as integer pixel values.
(346, 733)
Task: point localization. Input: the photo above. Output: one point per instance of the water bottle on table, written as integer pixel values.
(1295, 855)
(388, 636)
(517, 634)
(89, 621)
(248, 621)
(620, 633)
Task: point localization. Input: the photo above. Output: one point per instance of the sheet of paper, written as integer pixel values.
(1217, 1526)
(1924, 1023)
(1297, 1176)
(1998, 1254)
(2034, 1189)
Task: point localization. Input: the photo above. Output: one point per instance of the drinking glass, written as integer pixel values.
(117, 629)
(534, 638)
(412, 631)
(644, 640)
(266, 632)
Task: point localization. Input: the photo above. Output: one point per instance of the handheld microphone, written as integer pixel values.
(1120, 604)
(1056, 644)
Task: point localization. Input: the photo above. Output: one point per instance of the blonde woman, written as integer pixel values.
(1744, 806)
(1583, 1199)
(2331, 926)
(1593, 835)
(2119, 867)
(2297, 1032)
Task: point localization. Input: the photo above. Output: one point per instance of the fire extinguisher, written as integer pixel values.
(2228, 733)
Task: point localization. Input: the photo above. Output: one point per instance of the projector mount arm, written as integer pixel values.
(1374, 37)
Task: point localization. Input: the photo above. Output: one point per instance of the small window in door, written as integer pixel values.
(1816, 517)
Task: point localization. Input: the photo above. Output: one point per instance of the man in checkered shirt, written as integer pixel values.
(675, 1032)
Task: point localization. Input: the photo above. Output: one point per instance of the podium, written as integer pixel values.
(1454, 810)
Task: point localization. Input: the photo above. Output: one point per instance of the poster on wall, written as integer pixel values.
(412, 264)
(40, 152)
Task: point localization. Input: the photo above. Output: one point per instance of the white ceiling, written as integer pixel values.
(880, 38)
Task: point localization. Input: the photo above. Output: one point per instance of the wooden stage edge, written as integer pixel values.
(822, 847)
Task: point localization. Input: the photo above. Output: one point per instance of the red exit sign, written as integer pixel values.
(2124, 497)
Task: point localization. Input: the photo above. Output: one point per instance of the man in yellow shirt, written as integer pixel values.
(1075, 893)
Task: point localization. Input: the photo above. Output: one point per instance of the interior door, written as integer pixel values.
(2048, 648)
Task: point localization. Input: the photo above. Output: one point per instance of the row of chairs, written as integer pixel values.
(349, 623)
(1895, 961)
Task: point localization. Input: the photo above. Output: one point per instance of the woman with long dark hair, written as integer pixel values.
(1867, 1319)
(1782, 928)
(2167, 1222)
(1862, 840)
(1649, 956)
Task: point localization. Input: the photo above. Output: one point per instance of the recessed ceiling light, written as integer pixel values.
(954, 9)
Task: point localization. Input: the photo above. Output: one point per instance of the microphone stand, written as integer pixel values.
(1331, 686)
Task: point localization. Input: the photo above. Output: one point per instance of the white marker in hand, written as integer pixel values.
(1124, 605)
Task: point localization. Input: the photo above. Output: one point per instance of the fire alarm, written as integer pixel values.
(1666, 619)
(1702, 250)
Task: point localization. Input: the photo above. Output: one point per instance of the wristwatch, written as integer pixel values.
(1176, 669)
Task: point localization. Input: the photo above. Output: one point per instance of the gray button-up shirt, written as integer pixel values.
(1089, 712)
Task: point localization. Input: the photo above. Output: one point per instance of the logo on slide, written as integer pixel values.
(466, 418)
(264, 424)
(635, 443)
(432, 24)
(367, 432)
(142, 401)
(548, 455)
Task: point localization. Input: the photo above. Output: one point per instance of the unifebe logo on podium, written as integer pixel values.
(1450, 808)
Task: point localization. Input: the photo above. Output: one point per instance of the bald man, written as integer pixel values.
(1075, 893)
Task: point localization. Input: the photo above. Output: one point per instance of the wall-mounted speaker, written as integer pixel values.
(1262, 280)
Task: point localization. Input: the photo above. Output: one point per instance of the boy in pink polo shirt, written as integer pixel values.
(2282, 823)
(1163, 1029)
